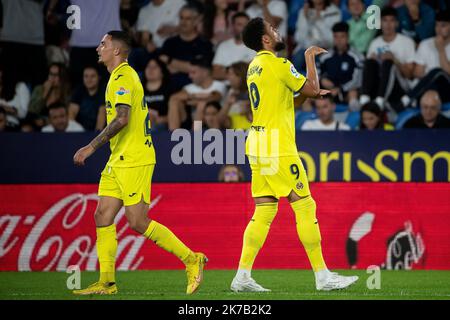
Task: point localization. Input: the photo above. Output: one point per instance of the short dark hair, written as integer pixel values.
(195, 6)
(214, 104)
(340, 27)
(329, 97)
(122, 37)
(443, 16)
(239, 14)
(2, 111)
(202, 61)
(389, 11)
(56, 105)
(253, 33)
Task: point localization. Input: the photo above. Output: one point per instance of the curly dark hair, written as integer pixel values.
(253, 33)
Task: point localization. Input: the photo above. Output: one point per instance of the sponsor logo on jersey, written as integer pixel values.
(122, 91)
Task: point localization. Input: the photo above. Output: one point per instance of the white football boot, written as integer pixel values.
(247, 285)
(335, 281)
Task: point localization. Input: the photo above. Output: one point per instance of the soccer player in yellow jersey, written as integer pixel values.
(277, 170)
(126, 179)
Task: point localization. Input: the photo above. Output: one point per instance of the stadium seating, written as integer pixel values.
(341, 112)
(405, 116)
(302, 116)
(341, 107)
(446, 106)
(353, 119)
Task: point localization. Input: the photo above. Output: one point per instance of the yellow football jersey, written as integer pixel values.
(133, 145)
(271, 83)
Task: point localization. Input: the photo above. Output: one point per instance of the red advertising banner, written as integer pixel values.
(393, 225)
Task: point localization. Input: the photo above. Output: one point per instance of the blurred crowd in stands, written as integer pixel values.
(193, 64)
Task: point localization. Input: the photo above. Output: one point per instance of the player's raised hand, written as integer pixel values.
(315, 51)
(82, 154)
(323, 92)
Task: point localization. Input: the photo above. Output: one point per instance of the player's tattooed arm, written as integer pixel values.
(118, 123)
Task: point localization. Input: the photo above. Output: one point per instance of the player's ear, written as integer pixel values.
(266, 39)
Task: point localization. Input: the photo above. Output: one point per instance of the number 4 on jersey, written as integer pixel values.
(147, 130)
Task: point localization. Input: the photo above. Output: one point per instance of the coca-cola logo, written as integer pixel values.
(65, 235)
(405, 248)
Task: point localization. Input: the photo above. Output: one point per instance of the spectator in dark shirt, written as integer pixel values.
(55, 89)
(430, 116)
(87, 105)
(178, 51)
(23, 40)
(157, 92)
(341, 68)
(416, 20)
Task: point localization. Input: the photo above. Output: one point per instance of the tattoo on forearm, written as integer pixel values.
(113, 128)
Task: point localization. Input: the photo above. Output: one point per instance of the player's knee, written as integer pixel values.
(265, 214)
(305, 206)
(138, 225)
(102, 218)
(134, 225)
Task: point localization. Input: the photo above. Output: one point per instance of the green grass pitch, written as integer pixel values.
(285, 285)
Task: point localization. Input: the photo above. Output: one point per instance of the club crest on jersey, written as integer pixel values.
(299, 186)
(295, 72)
(122, 91)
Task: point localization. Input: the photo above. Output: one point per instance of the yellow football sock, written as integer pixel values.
(165, 239)
(256, 233)
(308, 231)
(106, 252)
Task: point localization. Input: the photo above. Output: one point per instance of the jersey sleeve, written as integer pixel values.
(293, 79)
(122, 90)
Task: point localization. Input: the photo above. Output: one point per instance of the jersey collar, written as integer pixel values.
(262, 52)
(119, 67)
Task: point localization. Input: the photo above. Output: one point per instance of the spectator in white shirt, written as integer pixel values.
(195, 95)
(232, 50)
(389, 65)
(160, 19)
(314, 24)
(433, 61)
(58, 117)
(325, 111)
(273, 11)
(14, 98)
